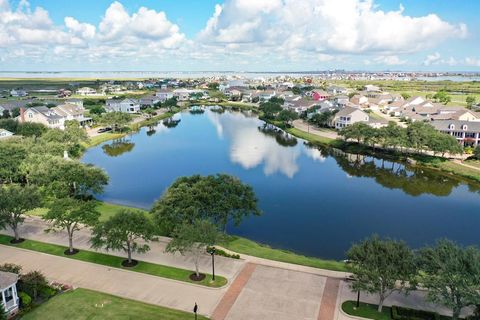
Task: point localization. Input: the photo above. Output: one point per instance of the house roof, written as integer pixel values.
(47, 113)
(347, 111)
(5, 130)
(7, 279)
(444, 124)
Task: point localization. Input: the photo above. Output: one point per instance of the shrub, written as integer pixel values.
(10, 267)
(220, 252)
(468, 150)
(25, 299)
(400, 313)
(47, 292)
(32, 283)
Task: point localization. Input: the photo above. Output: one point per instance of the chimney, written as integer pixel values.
(22, 114)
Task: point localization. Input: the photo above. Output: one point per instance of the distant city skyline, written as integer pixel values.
(239, 35)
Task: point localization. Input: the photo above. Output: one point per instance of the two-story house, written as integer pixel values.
(42, 115)
(348, 116)
(125, 105)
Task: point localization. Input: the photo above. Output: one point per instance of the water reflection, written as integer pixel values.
(250, 147)
(282, 138)
(394, 175)
(118, 147)
(171, 122)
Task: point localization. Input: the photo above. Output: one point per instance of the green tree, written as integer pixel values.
(220, 198)
(406, 95)
(442, 96)
(357, 131)
(194, 238)
(476, 152)
(9, 124)
(451, 275)
(470, 100)
(381, 267)
(15, 201)
(3, 313)
(11, 156)
(287, 117)
(66, 178)
(32, 282)
(270, 109)
(122, 232)
(213, 85)
(323, 119)
(31, 129)
(6, 114)
(170, 103)
(71, 215)
(115, 120)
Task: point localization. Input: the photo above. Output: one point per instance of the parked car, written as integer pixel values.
(102, 130)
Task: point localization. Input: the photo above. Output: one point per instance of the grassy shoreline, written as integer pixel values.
(153, 269)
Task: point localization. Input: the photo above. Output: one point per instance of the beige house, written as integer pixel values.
(43, 115)
(348, 116)
(72, 112)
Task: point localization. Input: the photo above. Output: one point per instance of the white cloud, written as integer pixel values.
(431, 59)
(474, 62)
(345, 26)
(390, 60)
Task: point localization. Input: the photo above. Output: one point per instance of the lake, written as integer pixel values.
(314, 201)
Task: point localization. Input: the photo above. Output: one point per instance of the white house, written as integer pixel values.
(164, 95)
(86, 91)
(348, 116)
(8, 291)
(125, 105)
(18, 93)
(5, 134)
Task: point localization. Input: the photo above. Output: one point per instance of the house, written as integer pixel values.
(320, 95)
(334, 90)
(359, 100)
(341, 101)
(149, 101)
(77, 102)
(182, 94)
(371, 88)
(86, 91)
(266, 95)
(455, 113)
(5, 134)
(348, 116)
(18, 93)
(301, 105)
(125, 105)
(163, 95)
(8, 292)
(72, 112)
(42, 115)
(467, 133)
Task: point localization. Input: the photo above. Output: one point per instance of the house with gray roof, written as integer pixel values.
(467, 133)
(348, 116)
(125, 105)
(5, 134)
(43, 115)
(8, 292)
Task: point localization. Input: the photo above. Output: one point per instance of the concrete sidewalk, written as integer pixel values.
(123, 283)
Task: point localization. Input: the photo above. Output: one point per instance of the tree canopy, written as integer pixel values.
(381, 267)
(220, 198)
(451, 275)
(122, 232)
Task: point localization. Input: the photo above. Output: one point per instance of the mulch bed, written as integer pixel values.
(127, 264)
(71, 253)
(13, 241)
(194, 277)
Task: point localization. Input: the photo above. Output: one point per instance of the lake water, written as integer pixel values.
(315, 202)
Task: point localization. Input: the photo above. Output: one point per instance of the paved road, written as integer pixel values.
(127, 284)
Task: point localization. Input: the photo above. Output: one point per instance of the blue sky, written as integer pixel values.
(241, 35)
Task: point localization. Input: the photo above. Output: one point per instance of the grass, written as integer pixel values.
(83, 304)
(451, 167)
(366, 310)
(369, 311)
(310, 137)
(249, 247)
(107, 136)
(115, 262)
(106, 210)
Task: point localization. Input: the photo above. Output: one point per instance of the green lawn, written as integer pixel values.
(115, 262)
(310, 137)
(106, 210)
(368, 311)
(451, 167)
(107, 136)
(83, 304)
(249, 247)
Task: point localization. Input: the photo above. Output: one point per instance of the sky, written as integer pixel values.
(239, 35)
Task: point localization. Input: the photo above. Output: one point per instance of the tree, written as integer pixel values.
(5, 114)
(115, 120)
(381, 267)
(287, 117)
(67, 178)
(11, 156)
(32, 282)
(213, 86)
(122, 231)
(15, 201)
(323, 119)
(442, 96)
(3, 313)
(31, 129)
(194, 238)
(476, 152)
(452, 275)
(220, 198)
(170, 103)
(357, 131)
(470, 100)
(270, 109)
(405, 95)
(71, 214)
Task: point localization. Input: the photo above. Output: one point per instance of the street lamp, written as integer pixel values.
(212, 252)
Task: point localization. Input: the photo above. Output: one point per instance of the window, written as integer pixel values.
(30, 115)
(464, 127)
(451, 126)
